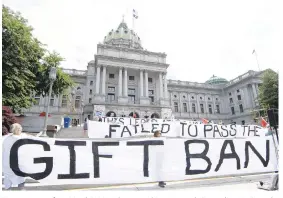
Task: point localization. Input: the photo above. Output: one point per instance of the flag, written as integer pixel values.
(135, 14)
(263, 122)
(253, 52)
(204, 121)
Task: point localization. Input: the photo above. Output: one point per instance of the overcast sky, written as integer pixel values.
(200, 38)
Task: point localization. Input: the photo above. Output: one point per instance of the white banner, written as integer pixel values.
(173, 129)
(109, 161)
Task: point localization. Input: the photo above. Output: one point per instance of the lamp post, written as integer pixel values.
(73, 92)
(52, 77)
(82, 107)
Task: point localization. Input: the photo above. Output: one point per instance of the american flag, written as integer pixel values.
(135, 14)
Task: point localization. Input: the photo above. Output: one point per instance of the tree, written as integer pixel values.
(63, 81)
(7, 120)
(268, 91)
(21, 54)
(25, 65)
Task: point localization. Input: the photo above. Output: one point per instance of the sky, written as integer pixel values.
(201, 38)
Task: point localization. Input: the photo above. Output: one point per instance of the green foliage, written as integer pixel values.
(63, 81)
(268, 91)
(25, 69)
(21, 54)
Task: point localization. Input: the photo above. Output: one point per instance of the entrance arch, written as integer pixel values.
(155, 115)
(110, 114)
(132, 113)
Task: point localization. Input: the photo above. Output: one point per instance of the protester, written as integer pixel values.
(8, 140)
(161, 183)
(85, 126)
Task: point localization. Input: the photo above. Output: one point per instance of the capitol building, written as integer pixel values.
(124, 79)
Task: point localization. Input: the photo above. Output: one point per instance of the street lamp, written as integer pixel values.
(82, 106)
(73, 92)
(52, 78)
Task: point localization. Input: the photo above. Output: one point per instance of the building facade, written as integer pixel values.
(124, 79)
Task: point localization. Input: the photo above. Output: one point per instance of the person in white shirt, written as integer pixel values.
(7, 142)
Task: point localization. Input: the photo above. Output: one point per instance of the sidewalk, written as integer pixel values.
(244, 183)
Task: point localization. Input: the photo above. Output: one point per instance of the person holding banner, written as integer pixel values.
(7, 142)
(159, 155)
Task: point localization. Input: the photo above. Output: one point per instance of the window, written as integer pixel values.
(64, 101)
(77, 101)
(217, 109)
(185, 107)
(239, 97)
(233, 110)
(90, 91)
(78, 88)
(193, 97)
(111, 76)
(176, 106)
(51, 102)
(151, 98)
(208, 98)
(111, 97)
(132, 98)
(231, 100)
(238, 91)
(184, 97)
(216, 99)
(241, 108)
(131, 78)
(89, 100)
(200, 98)
(131, 91)
(230, 94)
(37, 99)
(201, 108)
(210, 109)
(150, 80)
(91, 82)
(175, 96)
(111, 89)
(150, 92)
(193, 108)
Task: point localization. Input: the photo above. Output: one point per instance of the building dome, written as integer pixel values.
(123, 37)
(214, 80)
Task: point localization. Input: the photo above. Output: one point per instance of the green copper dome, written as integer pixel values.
(214, 80)
(123, 37)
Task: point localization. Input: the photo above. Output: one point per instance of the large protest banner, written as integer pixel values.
(110, 161)
(173, 129)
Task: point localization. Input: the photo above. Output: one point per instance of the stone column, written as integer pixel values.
(246, 98)
(141, 83)
(103, 79)
(97, 79)
(146, 83)
(125, 83)
(120, 88)
(165, 87)
(254, 93)
(160, 86)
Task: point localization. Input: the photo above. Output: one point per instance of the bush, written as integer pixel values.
(8, 119)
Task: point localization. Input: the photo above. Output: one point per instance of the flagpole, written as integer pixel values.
(256, 60)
